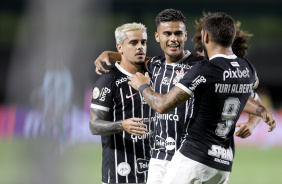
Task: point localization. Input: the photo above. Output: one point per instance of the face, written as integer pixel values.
(172, 37)
(134, 47)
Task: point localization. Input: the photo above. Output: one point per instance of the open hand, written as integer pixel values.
(139, 79)
(134, 127)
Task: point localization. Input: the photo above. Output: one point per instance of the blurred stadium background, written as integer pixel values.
(47, 49)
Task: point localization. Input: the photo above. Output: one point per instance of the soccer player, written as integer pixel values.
(166, 71)
(120, 114)
(222, 87)
(239, 48)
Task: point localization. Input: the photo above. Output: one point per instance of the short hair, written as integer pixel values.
(120, 32)
(169, 15)
(221, 27)
(240, 44)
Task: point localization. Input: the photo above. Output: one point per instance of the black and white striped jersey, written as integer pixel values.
(125, 156)
(169, 127)
(222, 87)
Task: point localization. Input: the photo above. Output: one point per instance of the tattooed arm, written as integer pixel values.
(162, 103)
(98, 126)
(253, 107)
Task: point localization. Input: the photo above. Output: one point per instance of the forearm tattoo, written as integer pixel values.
(98, 126)
(167, 102)
(259, 110)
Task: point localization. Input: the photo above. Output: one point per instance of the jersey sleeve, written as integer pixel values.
(194, 78)
(102, 94)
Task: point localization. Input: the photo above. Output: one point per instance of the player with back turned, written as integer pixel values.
(120, 114)
(222, 87)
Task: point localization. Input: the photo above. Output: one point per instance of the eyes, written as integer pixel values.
(135, 42)
(177, 33)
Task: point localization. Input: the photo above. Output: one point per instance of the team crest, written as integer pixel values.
(179, 76)
(96, 93)
(123, 169)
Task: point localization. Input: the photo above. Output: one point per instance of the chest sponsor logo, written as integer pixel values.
(222, 155)
(103, 94)
(129, 96)
(161, 143)
(184, 66)
(147, 135)
(142, 165)
(121, 80)
(198, 80)
(231, 74)
(171, 117)
(179, 75)
(123, 169)
(96, 93)
(165, 81)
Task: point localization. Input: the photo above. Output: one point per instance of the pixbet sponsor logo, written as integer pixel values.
(235, 74)
(161, 143)
(142, 165)
(103, 94)
(121, 80)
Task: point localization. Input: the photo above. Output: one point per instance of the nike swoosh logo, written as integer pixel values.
(129, 96)
(156, 74)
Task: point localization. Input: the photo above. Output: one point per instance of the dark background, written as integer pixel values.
(37, 36)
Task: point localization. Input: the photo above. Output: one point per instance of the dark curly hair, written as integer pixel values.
(239, 46)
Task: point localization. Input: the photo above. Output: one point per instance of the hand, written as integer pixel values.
(103, 58)
(245, 130)
(132, 126)
(139, 79)
(268, 118)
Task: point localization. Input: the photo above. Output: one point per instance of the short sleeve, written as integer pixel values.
(194, 78)
(102, 94)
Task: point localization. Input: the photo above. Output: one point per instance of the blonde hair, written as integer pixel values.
(120, 32)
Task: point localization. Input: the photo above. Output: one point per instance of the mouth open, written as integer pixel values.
(173, 47)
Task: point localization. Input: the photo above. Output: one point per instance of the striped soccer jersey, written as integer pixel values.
(222, 87)
(125, 156)
(169, 127)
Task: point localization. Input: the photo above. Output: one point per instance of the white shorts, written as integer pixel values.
(157, 170)
(183, 170)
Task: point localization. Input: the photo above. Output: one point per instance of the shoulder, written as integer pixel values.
(157, 59)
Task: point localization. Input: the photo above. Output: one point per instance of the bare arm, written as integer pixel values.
(98, 126)
(253, 107)
(162, 103)
(107, 57)
(246, 129)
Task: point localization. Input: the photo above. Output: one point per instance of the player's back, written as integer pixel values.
(222, 87)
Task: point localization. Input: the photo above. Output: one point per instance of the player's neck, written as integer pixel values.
(130, 67)
(216, 49)
(170, 59)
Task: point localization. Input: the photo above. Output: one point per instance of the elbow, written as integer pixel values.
(92, 128)
(162, 110)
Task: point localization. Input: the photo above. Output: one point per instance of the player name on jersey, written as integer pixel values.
(233, 88)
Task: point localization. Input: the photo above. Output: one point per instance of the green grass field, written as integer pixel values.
(44, 162)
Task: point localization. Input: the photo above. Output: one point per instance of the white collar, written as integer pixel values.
(233, 56)
(122, 70)
(186, 52)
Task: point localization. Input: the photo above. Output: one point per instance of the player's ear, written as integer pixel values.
(119, 48)
(157, 37)
(206, 37)
(185, 36)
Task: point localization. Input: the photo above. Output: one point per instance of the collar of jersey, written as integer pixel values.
(187, 53)
(122, 70)
(224, 56)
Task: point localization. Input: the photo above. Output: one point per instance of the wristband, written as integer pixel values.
(142, 87)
